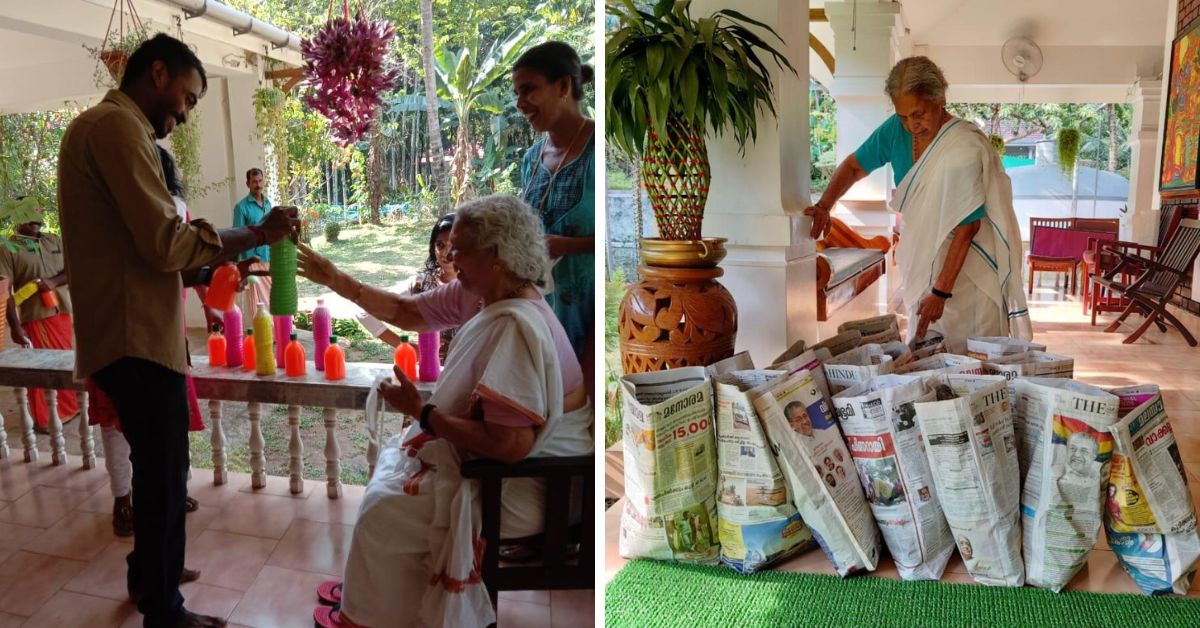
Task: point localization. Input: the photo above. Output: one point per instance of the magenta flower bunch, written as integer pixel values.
(346, 67)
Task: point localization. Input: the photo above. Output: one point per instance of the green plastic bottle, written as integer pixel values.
(264, 340)
(283, 278)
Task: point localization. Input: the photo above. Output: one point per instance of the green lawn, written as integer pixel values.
(377, 255)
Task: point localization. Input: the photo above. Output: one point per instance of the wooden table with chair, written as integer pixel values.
(1059, 245)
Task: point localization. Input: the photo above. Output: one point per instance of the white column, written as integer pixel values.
(863, 43)
(755, 199)
(1141, 222)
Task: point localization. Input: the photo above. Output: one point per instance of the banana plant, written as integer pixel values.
(464, 76)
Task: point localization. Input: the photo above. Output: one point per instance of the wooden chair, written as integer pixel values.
(1155, 286)
(558, 568)
(847, 264)
(1065, 265)
(1104, 256)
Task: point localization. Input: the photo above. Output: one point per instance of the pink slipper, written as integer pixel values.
(332, 617)
(330, 592)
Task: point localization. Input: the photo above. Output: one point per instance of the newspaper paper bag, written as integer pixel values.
(967, 427)
(670, 467)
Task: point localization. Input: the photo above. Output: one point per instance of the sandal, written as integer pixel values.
(190, 504)
(122, 520)
(330, 592)
(332, 617)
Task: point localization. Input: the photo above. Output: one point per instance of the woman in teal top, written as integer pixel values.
(960, 232)
(558, 182)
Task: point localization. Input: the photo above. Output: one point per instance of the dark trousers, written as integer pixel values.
(152, 403)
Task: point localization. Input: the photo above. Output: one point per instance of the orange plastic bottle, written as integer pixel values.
(222, 289)
(50, 299)
(248, 353)
(216, 348)
(335, 361)
(406, 358)
(293, 358)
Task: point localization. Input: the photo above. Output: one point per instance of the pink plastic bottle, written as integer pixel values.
(429, 343)
(322, 330)
(283, 331)
(233, 337)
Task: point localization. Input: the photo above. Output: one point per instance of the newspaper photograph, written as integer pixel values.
(1149, 518)
(966, 423)
(759, 523)
(941, 363)
(856, 366)
(670, 467)
(880, 425)
(1066, 448)
(818, 469)
(931, 344)
(988, 347)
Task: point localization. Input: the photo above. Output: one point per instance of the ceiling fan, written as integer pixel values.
(1021, 57)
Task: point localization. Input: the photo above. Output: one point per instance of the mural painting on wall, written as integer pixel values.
(1181, 144)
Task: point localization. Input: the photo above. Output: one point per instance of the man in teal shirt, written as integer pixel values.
(250, 211)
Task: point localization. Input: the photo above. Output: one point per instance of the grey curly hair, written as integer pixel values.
(917, 76)
(510, 225)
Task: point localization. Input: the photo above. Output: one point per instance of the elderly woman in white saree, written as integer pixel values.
(960, 235)
(511, 388)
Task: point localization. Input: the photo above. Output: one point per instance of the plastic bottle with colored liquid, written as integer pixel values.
(429, 343)
(216, 348)
(283, 331)
(283, 278)
(50, 299)
(322, 323)
(233, 337)
(249, 363)
(222, 288)
(293, 357)
(406, 358)
(335, 361)
(264, 351)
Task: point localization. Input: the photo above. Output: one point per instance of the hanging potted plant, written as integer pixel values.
(344, 63)
(671, 80)
(126, 31)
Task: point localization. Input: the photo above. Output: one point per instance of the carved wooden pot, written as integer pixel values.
(676, 317)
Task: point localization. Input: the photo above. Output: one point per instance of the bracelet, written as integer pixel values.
(939, 293)
(424, 420)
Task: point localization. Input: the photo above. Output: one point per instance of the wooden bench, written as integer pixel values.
(847, 264)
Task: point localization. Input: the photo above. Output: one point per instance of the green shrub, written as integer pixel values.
(349, 329)
(302, 320)
(332, 231)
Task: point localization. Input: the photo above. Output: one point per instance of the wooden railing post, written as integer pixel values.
(295, 452)
(258, 462)
(87, 444)
(218, 441)
(333, 464)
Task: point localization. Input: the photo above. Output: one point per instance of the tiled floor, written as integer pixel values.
(261, 554)
(1100, 359)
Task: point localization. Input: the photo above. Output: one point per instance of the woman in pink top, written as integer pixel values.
(511, 388)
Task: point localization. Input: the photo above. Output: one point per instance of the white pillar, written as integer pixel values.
(1141, 222)
(755, 200)
(863, 45)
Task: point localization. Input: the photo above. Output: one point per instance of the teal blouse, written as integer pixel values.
(892, 143)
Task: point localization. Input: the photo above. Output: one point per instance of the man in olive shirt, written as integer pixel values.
(38, 259)
(129, 255)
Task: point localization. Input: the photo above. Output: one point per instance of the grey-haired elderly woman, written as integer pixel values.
(960, 235)
(511, 388)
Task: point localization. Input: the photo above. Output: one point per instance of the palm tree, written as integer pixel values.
(465, 76)
(432, 125)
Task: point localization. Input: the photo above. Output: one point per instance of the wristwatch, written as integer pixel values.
(424, 420)
(205, 276)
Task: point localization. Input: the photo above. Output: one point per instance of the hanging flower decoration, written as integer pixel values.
(344, 65)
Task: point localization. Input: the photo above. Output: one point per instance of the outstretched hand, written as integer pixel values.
(929, 311)
(313, 267)
(820, 223)
(402, 395)
(282, 221)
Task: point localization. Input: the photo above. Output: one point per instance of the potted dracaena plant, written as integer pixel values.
(670, 80)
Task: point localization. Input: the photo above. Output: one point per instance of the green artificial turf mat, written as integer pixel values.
(648, 593)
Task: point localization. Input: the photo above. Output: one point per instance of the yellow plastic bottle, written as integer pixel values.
(264, 341)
